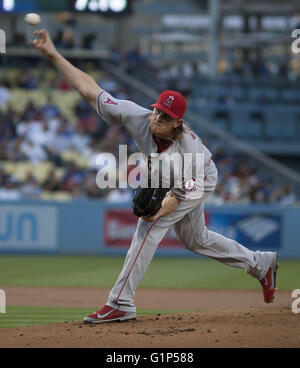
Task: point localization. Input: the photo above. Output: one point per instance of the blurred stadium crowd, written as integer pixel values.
(46, 153)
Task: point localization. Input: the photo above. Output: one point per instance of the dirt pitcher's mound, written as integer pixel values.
(224, 319)
(145, 298)
(263, 327)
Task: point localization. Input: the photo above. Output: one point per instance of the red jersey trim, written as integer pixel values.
(177, 195)
(137, 256)
(98, 103)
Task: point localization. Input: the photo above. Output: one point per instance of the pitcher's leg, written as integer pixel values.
(192, 231)
(144, 243)
(232, 253)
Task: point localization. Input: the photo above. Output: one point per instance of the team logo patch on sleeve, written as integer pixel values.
(110, 102)
(189, 185)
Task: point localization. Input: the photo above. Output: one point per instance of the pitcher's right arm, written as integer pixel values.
(79, 80)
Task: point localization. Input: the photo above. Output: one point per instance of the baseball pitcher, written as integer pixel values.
(162, 132)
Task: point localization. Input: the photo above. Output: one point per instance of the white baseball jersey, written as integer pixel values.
(136, 120)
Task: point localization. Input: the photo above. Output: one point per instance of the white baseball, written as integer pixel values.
(32, 19)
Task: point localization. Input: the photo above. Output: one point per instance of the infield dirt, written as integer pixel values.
(222, 319)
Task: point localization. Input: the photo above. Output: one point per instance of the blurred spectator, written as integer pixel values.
(4, 149)
(58, 82)
(91, 187)
(89, 42)
(14, 152)
(50, 109)
(10, 191)
(67, 41)
(41, 133)
(3, 177)
(19, 39)
(51, 183)
(28, 79)
(119, 195)
(4, 93)
(34, 152)
(77, 192)
(30, 188)
(64, 39)
(7, 127)
(108, 84)
(115, 56)
(93, 125)
(216, 198)
(80, 141)
(134, 61)
(72, 176)
(284, 195)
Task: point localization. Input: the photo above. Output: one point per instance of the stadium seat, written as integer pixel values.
(271, 94)
(278, 131)
(47, 195)
(288, 95)
(254, 93)
(76, 157)
(66, 101)
(222, 124)
(238, 93)
(13, 75)
(56, 196)
(255, 129)
(62, 196)
(221, 118)
(22, 170)
(59, 172)
(41, 170)
(239, 128)
(261, 93)
(8, 166)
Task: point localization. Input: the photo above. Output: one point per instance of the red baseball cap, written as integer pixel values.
(172, 103)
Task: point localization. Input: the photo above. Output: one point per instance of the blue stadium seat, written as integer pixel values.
(254, 93)
(288, 95)
(280, 131)
(238, 93)
(296, 119)
(259, 93)
(281, 123)
(256, 128)
(239, 128)
(271, 93)
(222, 124)
(248, 122)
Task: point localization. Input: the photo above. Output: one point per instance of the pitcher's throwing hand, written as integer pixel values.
(44, 43)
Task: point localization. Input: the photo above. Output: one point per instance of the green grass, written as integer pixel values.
(96, 271)
(29, 316)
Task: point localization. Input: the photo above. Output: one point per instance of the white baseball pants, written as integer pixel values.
(189, 223)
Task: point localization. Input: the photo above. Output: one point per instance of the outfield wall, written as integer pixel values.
(97, 227)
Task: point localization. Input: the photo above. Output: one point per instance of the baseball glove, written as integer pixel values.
(147, 201)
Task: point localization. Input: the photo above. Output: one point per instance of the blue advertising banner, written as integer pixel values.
(97, 227)
(255, 231)
(30, 227)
